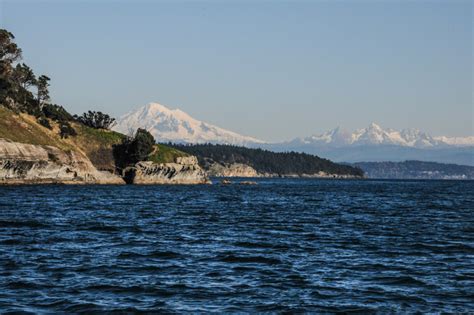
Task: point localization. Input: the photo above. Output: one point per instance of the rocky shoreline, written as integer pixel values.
(185, 170)
(246, 171)
(22, 163)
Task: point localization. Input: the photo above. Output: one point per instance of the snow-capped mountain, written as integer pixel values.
(457, 141)
(377, 144)
(174, 125)
(375, 135)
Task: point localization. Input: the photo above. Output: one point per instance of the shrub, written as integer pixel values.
(66, 130)
(141, 146)
(97, 120)
(33, 110)
(57, 113)
(43, 121)
(133, 150)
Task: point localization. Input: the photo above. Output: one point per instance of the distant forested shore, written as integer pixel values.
(266, 162)
(415, 170)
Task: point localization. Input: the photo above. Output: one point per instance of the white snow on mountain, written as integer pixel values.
(457, 141)
(376, 135)
(174, 125)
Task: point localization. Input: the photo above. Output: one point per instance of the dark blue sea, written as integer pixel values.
(284, 245)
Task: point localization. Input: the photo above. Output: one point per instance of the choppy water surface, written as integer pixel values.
(283, 245)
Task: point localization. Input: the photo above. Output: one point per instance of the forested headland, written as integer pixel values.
(266, 162)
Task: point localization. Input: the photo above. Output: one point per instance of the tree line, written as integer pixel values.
(264, 161)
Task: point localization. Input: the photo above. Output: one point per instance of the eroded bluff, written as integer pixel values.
(22, 163)
(232, 170)
(185, 170)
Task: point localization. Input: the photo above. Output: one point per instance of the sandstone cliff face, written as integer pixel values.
(232, 170)
(185, 170)
(22, 163)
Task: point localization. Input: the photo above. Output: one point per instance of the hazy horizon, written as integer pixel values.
(253, 67)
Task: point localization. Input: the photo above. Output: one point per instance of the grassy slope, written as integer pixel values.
(96, 144)
(25, 129)
(165, 154)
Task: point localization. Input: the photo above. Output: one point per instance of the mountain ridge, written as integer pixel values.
(376, 135)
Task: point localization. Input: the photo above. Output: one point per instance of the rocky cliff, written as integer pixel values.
(32, 154)
(232, 170)
(185, 170)
(22, 163)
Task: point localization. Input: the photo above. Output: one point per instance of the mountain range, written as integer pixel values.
(373, 143)
(376, 135)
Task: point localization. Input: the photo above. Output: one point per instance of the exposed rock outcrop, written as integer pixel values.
(185, 170)
(22, 163)
(232, 170)
(248, 182)
(215, 169)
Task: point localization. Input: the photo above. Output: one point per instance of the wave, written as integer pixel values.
(153, 254)
(231, 258)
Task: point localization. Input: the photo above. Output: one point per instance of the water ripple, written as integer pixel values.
(284, 245)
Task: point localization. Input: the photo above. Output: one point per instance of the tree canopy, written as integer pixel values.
(97, 120)
(134, 149)
(22, 91)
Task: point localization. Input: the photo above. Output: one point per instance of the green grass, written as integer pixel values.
(165, 154)
(98, 136)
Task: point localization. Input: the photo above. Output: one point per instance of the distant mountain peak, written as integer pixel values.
(374, 126)
(374, 134)
(175, 125)
(154, 109)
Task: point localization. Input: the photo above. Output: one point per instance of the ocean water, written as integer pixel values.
(291, 245)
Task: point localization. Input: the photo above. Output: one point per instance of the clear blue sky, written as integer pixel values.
(273, 70)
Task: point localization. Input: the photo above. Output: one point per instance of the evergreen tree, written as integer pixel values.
(9, 53)
(24, 76)
(134, 149)
(43, 92)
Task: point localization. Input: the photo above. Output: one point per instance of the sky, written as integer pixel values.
(274, 70)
